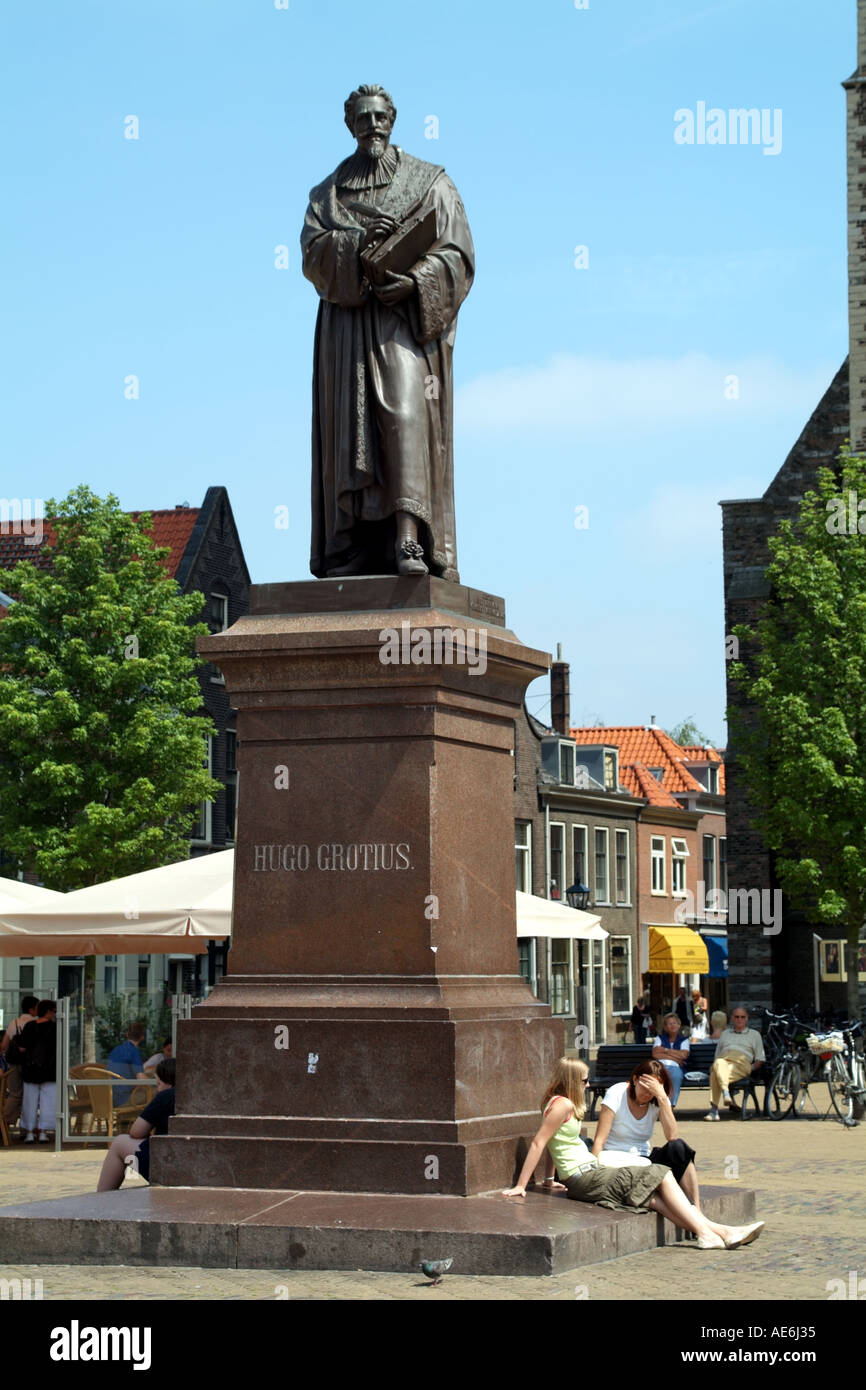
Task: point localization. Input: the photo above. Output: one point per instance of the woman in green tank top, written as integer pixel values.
(649, 1188)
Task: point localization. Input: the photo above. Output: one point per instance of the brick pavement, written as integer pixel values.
(808, 1175)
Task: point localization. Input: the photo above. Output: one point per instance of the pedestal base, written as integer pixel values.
(217, 1229)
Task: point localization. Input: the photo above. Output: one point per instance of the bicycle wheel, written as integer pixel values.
(784, 1090)
(839, 1086)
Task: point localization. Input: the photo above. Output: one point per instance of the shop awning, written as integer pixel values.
(677, 950)
(180, 906)
(544, 917)
(717, 950)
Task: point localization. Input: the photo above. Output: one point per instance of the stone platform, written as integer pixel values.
(222, 1228)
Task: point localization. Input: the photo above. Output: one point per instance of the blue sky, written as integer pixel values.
(599, 387)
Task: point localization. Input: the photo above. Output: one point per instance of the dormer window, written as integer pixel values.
(713, 777)
(611, 772)
(658, 773)
(566, 763)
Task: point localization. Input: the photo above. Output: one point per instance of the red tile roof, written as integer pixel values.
(642, 748)
(170, 527)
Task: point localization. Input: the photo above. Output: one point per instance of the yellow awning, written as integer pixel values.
(677, 950)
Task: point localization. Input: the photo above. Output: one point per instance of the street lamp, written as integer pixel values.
(577, 896)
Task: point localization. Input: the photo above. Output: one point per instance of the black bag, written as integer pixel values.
(14, 1055)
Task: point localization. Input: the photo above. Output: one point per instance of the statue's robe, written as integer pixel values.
(382, 377)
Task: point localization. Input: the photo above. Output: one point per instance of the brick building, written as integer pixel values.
(770, 968)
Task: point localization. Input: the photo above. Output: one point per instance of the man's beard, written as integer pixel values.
(376, 147)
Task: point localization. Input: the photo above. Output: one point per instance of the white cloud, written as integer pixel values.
(588, 394)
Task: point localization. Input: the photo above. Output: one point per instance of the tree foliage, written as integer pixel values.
(687, 734)
(804, 748)
(102, 742)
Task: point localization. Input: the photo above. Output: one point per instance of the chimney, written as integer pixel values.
(855, 89)
(560, 700)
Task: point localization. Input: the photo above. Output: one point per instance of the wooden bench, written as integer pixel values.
(616, 1062)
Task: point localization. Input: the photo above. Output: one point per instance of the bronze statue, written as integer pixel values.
(387, 245)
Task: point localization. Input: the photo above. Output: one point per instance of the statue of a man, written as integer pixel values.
(383, 462)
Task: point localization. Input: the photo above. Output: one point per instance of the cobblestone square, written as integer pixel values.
(807, 1173)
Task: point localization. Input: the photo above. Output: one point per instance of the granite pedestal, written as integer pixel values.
(373, 1033)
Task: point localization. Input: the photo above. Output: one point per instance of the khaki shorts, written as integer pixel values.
(620, 1189)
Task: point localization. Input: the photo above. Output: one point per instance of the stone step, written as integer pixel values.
(224, 1228)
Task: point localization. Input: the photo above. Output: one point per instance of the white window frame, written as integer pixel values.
(574, 875)
(571, 1001)
(679, 855)
(722, 866)
(560, 826)
(613, 755)
(524, 849)
(596, 831)
(626, 1012)
(625, 901)
(658, 857)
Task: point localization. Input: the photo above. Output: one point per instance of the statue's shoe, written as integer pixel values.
(410, 558)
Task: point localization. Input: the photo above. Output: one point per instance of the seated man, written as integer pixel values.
(125, 1060)
(739, 1052)
(672, 1050)
(133, 1149)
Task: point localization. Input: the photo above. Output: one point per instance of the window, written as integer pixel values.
(657, 864)
(723, 864)
(620, 975)
(657, 772)
(523, 857)
(526, 961)
(218, 612)
(560, 976)
(26, 974)
(679, 855)
(610, 772)
(622, 885)
(557, 860)
(578, 844)
(713, 778)
(709, 864)
(109, 978)
(202, 831)
(143, 973)
(601, 884)
(566, 763)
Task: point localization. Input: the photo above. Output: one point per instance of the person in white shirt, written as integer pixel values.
(672, 1050)
(623, 1135)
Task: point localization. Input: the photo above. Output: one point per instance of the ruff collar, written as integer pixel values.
(361, 170)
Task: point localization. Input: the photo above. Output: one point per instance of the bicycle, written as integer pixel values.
(784, 1089)
(844, 1071)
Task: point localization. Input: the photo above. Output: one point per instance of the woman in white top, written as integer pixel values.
(628, 1115)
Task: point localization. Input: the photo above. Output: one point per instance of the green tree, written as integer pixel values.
(687, 734)
(101, 736)
(804, 747)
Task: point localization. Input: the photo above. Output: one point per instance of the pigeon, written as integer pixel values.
(434, 1269)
